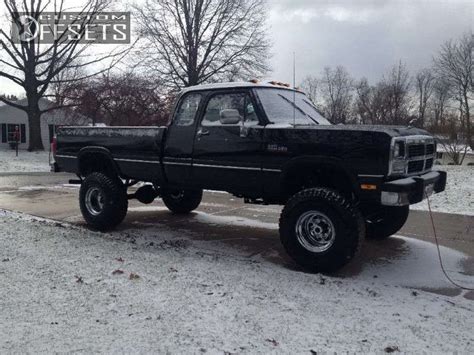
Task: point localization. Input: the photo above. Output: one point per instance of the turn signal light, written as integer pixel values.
(368, 187)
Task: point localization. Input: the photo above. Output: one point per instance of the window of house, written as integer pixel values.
(229, 104)
(186, 112)
(8, 132)
(439, 155)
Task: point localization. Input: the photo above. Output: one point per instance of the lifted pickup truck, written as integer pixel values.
(269, 145)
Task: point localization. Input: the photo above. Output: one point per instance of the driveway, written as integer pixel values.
(49, 196)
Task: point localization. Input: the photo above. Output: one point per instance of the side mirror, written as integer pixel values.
(229, 116)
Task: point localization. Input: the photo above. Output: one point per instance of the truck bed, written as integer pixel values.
(137, 151)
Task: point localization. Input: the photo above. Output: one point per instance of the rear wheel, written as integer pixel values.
(103, 201)
(181, 201)
(321, 230)
(386, 221)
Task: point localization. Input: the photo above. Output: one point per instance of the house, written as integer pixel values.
(444, 155)
(11, 117)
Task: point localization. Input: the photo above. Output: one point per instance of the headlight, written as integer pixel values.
(399, 149)
(397, 162)
(398, 167)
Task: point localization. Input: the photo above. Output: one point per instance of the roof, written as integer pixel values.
(232, 85)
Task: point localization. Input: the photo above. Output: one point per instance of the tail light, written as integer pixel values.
(54, 146)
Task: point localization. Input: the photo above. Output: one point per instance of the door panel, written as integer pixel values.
(227, 154)
(179, 141)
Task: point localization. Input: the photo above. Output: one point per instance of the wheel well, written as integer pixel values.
(97, 162)
(318, 175)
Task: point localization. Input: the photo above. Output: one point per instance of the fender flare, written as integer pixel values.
(322, 161)
(104, 153)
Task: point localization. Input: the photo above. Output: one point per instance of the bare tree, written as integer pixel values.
(424, 81)
(121, 99)
(190, 42)
(336, 94)
(397, 86)
(310, 86)
(34, 65)
(454, 145)
(455, 65)
(387, 102)
(439, 102)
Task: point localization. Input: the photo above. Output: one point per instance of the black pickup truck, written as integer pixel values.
(267, 144)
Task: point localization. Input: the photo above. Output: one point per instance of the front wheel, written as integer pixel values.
(182, 201)
(386, 221)
(321, 230)
(103, 201)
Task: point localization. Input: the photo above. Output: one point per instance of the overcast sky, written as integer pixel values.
(367, 37)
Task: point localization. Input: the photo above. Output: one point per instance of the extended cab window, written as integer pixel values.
(284, 106)
(186, 112)
(229, 109)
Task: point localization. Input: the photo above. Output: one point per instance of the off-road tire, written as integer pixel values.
(387, 221)
(115, 201)
(181, 201)
(346, 219)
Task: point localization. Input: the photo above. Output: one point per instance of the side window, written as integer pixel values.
(187, 109)
(251, 117)
(225, 109)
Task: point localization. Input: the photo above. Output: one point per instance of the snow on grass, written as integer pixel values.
(60, 294)
(459, 195)
(24, 162)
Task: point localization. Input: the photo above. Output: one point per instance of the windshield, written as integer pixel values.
(281, 106)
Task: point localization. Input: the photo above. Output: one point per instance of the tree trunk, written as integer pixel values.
(469, 139)
(34, 123)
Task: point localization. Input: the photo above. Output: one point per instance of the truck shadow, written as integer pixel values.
(251, 239)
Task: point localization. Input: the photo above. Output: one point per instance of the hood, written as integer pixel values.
(393, 131)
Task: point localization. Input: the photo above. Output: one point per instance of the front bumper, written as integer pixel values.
(412, 190)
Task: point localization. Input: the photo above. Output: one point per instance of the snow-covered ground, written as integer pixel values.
(459, 195)
(24, 162)
(152, 289)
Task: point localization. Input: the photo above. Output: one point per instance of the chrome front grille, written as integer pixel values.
(418, 150)
(420, 154)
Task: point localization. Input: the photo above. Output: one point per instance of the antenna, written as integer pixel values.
(294, 91)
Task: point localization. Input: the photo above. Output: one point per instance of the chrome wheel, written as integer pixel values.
(315, 231)
(95, 201)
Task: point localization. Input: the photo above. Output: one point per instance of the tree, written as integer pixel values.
(336, 94)
(9, 97)
(455, 65)
(454, 146)
(424, 81)
(189, 42)
(310, 86)
(387, 102)
(34, 65)
(396, 86)
(440, 98)
(121, 100)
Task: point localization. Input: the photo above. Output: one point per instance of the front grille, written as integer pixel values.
(415, 166)
(429, 164)
(420, 155)
(416, 150)
(430, 148)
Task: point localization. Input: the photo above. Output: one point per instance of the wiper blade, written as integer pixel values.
(298, 108)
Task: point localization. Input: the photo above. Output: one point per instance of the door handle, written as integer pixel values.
(202, 132)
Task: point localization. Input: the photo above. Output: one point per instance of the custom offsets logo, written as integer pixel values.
(49, 27)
